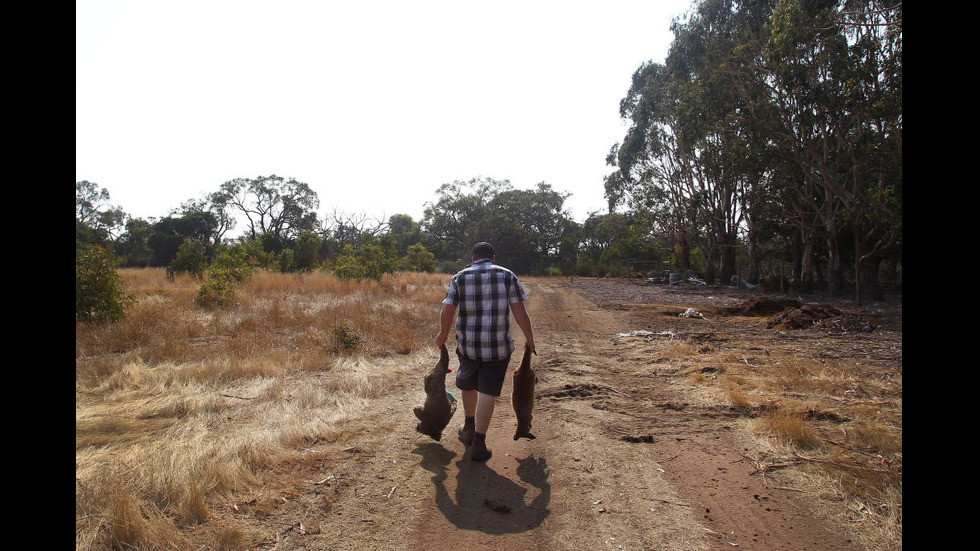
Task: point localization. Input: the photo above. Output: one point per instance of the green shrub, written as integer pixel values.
(231, 266)
(449, 266)
(99, 296)
(287, 261)
(418, 259)
(305, 251)
(368, 261)
(218, 290)
(235, 262)
(192, 257)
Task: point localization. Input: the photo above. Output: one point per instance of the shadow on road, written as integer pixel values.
(484, 500)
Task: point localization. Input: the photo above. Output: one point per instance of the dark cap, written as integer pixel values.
(483, 250)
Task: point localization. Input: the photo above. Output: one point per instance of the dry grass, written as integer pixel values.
(178, 403)
(822, 420)
(821, 412)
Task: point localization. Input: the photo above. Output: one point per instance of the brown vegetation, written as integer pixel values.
(177, 403)
(287, 416)
(817, 388)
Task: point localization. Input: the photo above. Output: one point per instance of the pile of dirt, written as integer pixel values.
(764, 306)
(790, 313)
(846, 323)
(804, 317)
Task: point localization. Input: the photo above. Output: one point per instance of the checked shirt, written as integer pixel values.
(482, 293)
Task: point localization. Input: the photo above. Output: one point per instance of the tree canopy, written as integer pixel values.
(766, 114)
(770, 136)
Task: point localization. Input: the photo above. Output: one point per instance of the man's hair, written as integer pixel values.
(482, 250)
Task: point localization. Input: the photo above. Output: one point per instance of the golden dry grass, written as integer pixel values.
(177, 403)
(819, 412)
(826, 421)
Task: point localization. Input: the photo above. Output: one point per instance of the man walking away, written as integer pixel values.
(484, 294)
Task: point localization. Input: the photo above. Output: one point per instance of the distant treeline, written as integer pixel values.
(767, 146)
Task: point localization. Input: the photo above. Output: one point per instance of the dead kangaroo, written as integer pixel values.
(523, 395)
(438, 409)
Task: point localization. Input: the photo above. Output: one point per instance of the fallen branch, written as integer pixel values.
(853, 449)
(764, 468)
(845, 466)
(238, 397)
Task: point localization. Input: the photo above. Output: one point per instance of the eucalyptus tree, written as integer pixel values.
(687, 156)
(450, 222)
(540, 211)
(96, 220)
(346, 228)
(402, 232)
(132, 247)
(832, 71)
(168, 233)
(214, 208)
(651, 176)
(600, 232)
(273, 205)
(723, 154)
(525, 226)
(768, 109)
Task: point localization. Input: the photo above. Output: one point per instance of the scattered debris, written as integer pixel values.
(637, 333)
(686, 277)
(737, 281)
(691, 313)
(646, 334)
(667, 501)
(803, 317)
(845, 324)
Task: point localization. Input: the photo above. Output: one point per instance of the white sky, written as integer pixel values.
(374, 104)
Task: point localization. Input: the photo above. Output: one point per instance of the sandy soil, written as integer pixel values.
(624, 458)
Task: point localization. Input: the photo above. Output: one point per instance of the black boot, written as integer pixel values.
(480, 451)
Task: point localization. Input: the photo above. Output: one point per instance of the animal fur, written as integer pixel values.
(438, 409)
(523, 396)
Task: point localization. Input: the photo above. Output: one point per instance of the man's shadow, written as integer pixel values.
(486, 501)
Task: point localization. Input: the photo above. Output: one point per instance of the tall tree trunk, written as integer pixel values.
(834, 269)
(796, 272)
(812, 276)
(682, 256)
(871, 289)
(709, 262)
(727, 259)
(868, 267)
(753, 243)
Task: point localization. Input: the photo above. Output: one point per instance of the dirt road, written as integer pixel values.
(622, 460)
